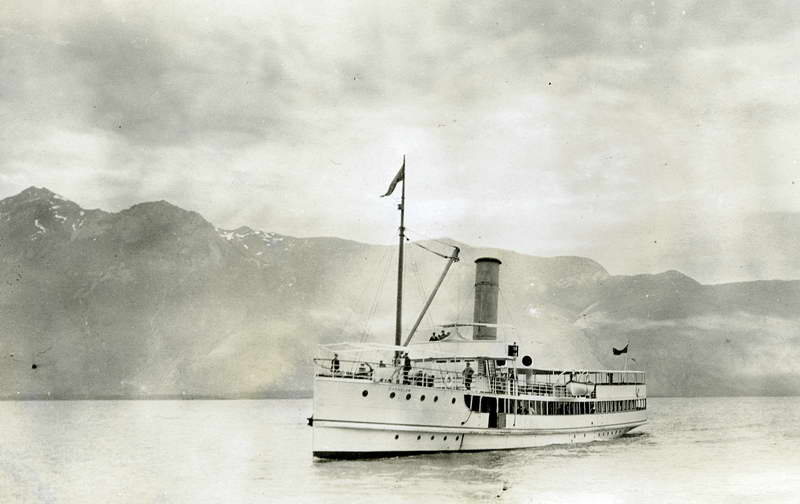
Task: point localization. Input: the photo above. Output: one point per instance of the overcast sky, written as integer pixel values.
(641, 134)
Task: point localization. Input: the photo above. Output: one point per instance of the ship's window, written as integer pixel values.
(432, 438)
(456, 438)
(526, 360)
(422, 397)
(396, 436)
(391, 396)
(364, 393)
(453, 400)
(408, 396)
(419, 437)
(435, 398)
(445, 438)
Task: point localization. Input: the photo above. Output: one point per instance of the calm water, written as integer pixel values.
(693, 450)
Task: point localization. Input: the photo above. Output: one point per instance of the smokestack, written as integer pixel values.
(487, 287)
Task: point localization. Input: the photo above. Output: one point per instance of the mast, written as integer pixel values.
(398, 327)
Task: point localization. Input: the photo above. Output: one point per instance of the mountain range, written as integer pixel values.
(156, 301)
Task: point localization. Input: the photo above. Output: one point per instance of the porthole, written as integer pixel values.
(526, 360)
(445, 438)
(453, 400)
(364, 393)
(456, 438)
(397, 436)
(422, 397)
(408, 397)
(419, 437)
(435, 398)
(432, 437)
(391, 396)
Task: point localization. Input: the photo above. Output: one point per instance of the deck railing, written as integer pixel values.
(553, 384)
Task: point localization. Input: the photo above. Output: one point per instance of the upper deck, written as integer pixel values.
(489, 376)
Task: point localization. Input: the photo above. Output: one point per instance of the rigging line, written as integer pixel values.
(362, 297)
(510, 317)
(437, 240)
(422, 291)
(464, 302)
(458, 302)
(381, 264)
(431, 251)
(373, 309)
(387, 268)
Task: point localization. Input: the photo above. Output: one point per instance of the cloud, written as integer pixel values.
(548, 127)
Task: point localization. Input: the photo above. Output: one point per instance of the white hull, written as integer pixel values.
(349, 424)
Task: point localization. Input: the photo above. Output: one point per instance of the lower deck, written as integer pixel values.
(361, 418)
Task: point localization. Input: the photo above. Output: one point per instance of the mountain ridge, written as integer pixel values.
(156, 300)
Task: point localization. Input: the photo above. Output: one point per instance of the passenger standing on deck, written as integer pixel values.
(468, 371)
(406, 369)
(335, 364)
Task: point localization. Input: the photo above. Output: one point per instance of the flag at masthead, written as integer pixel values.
(401, 175)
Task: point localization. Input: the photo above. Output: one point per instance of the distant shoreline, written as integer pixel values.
(301, 394)
(289, 394)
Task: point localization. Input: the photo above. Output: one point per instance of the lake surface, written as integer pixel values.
(693, 450)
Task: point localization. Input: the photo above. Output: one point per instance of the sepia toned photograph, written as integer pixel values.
(385, 252)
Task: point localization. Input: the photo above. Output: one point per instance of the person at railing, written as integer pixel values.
(468, 372)
(335, 365)
(406, 368)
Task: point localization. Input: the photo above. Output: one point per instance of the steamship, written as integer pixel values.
(467, 388)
